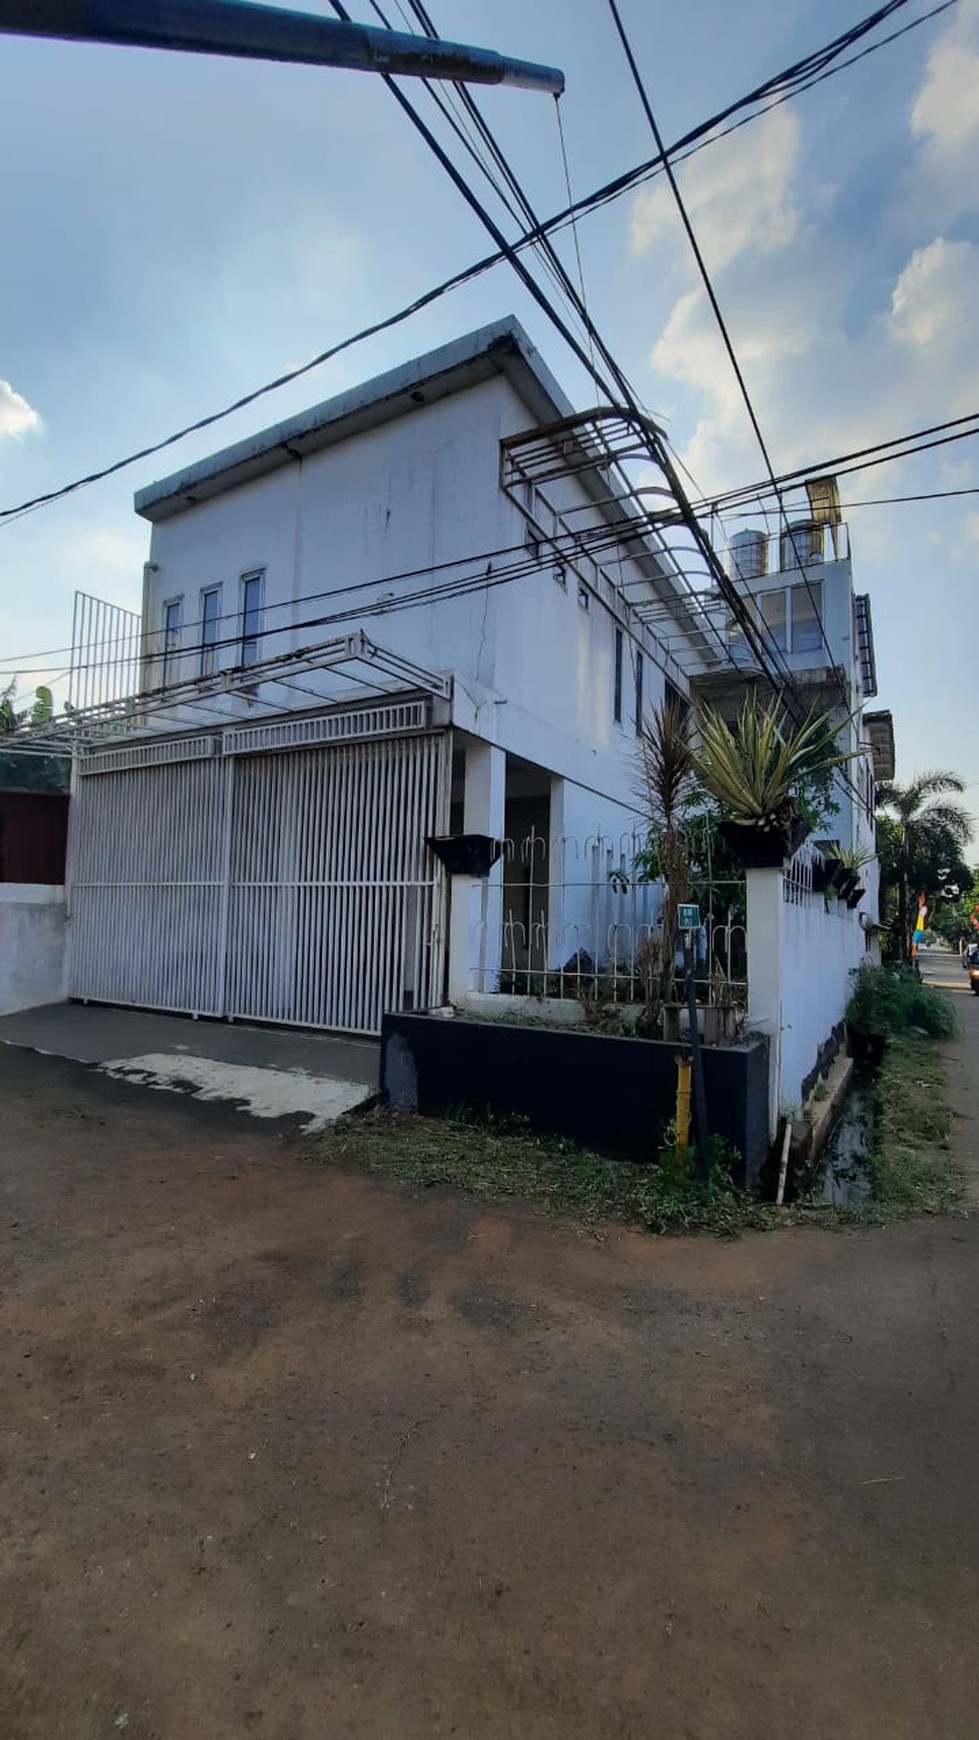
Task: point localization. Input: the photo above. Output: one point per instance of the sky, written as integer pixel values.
(174, 230)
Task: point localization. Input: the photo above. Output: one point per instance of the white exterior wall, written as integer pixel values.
(533, 670)
(800, 960)
(33, 932)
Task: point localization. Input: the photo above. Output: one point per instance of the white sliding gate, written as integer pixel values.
(289, 885)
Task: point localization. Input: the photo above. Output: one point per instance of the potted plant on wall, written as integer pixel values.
(756, 772)
(847, 864)
(829, 874)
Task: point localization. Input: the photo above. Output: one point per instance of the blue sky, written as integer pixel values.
(177, 229)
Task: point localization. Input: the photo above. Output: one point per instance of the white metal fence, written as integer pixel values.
(292, 887)
(581, 919)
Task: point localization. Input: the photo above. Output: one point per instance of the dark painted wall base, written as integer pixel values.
(613, 1095)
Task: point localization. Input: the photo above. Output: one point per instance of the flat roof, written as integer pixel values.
(502, 348)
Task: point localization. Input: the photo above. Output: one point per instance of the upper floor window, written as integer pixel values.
(790, 619)
(807, 617)
(251, 616)
(617, 695)
(677, 701)
(172, 613)
(774, 619)
(639, 678)
(210, 622)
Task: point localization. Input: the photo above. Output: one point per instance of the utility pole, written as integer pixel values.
(259, 32)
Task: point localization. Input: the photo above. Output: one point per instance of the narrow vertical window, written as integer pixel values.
(617, 706)
(773, 618)
(807, 617)
(251, 615)
(639, 677)
(210, 618)
(171, 638)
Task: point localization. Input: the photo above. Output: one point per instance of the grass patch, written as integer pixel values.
(502, 1160)
(911, 1169)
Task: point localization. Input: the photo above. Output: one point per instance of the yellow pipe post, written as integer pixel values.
(683, 1075)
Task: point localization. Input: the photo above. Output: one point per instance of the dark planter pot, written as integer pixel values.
(853, 900)
(824, 878)
(465, 854)
(845, 881)
(866, 1048)
(765, 848)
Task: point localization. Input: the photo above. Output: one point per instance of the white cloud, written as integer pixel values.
(947, 108)
(932, 301)
(939, 188)
(17, 417)
(738, 197)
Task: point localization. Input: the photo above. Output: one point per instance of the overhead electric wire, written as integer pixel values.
(662, 460)
(840, 774)
(486, 579)
(657, 453)
(745, 615)
(881, 501)
(752, 628)
(840, 465)
(698, 138)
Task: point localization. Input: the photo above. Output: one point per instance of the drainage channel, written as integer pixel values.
(840, 1174)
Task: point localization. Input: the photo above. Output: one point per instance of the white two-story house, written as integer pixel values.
(431, 607)
(435, 607)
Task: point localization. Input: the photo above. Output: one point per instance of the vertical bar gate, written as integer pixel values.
(293, 886)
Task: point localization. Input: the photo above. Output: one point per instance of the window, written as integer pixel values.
(251, 616)
(773, 616)
(561, 576)
(807, 616)
(639, 677)
(675, 700)
(617, 696)
(584, 597)
(172, 612)
(210, 619)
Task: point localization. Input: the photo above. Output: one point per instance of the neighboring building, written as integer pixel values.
(33, 834)
(802, 951)
(799, 584)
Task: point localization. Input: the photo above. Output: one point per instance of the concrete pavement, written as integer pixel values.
(962, 1065)
(266, 1071)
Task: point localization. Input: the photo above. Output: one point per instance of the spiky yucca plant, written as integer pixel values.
(755, 771)
(852, 859)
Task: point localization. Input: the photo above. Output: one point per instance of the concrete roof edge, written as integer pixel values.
(502, 346)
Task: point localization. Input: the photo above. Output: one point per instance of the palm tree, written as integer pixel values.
(925, 831)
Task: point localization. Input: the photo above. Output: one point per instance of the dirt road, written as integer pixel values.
(286, 1455)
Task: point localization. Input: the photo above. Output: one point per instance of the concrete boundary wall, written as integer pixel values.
(33, 935)
(802, 954)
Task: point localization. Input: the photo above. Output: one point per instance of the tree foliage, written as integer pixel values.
(921, 839)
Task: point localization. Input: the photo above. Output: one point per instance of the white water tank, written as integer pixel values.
(748, 554)
(801, 543)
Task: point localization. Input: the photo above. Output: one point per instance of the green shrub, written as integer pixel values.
(887, 1001)
(673, 1196)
